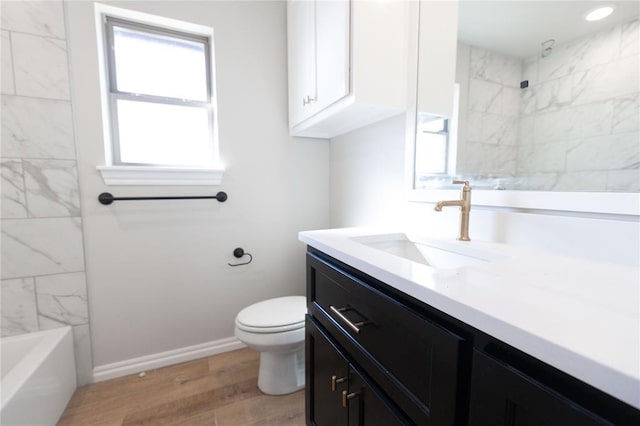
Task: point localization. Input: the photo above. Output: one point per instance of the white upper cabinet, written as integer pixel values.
(301, 34)
(348, 64)
(332, 52)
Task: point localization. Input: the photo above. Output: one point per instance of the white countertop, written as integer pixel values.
(580, 316)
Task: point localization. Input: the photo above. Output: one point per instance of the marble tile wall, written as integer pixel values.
(42, 260)
(581, 98)
(492, 110)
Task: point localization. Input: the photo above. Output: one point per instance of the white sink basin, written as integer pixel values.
(433, 253)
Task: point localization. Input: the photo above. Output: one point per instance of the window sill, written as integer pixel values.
(160, 176)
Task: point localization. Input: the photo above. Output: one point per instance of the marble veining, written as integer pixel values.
(36, 128)
(617, 78)
(530, 70)
(511, 102)
(625, 114)
(45, 18)
(630, 39)
(580, 55)
(14, 204)
(552, 95)
(595, 119)
(62, 300)
(581, 97)
(42, 259)
(553, 126)
(18, 307)
(526, 132)
(489, 158)
(485, 96)
(541, 181)
(591, 180)
(547, 157)
(40, 66)
(32, 247)
(499, 129)
(623, 180)
(491, 109)
(586, 154)
(490, 66)
(52, 188)
(6, 59)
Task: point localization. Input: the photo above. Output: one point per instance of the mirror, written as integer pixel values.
(544, 100)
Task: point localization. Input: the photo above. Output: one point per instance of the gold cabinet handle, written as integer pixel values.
(353, 326)
(335, 381)
(346, 396)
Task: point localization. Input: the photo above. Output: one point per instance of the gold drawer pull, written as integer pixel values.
(355, 327)
(347, 396)
(335, 380)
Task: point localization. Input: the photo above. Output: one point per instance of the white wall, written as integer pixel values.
(368, 189)
(157, 271)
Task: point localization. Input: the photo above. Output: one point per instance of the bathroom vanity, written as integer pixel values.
(405, 330)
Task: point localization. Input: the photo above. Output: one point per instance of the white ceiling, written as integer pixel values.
(517, 28)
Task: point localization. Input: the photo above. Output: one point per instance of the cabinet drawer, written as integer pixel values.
(412, 358)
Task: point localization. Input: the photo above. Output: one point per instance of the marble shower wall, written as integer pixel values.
(492, 109)
(575, 128)
(42, 259)
(579, 116)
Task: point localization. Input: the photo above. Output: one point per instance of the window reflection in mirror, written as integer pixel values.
(436, 147)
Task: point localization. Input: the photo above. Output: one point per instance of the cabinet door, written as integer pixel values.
(326, 377)
(332, 54)
(319, 55)
(366, 406)
(414, 360)
(502, 395)
(437, 57)
(302, 57)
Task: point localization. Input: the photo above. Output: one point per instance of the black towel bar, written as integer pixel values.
(107, 198)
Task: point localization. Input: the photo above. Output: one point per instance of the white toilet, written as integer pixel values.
(275, 328)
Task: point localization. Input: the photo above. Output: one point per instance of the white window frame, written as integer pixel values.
(445, 131)
(116, 173)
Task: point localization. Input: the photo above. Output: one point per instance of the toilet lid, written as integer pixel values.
(280, 314)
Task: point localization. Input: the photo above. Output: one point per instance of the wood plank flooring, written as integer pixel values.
(220, 390)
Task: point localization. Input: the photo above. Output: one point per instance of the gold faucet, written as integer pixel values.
(465, 206)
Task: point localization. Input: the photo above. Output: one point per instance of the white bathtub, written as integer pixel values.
(38, 377)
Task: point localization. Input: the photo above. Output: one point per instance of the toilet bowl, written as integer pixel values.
(275, 328)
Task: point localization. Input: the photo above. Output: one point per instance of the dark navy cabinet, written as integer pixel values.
(339, 394)
(376, 356)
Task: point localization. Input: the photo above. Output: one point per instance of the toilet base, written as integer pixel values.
(281, 372)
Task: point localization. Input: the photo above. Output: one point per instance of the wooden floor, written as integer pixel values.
(220, 390)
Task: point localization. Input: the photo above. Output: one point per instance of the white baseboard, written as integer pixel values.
(162, 359)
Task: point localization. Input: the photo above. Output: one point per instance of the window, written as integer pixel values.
(159, 94)
(435, 148)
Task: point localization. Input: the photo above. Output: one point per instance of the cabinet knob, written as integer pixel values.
(346, 396)
(335, 381)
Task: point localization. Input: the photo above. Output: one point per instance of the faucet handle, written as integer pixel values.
(461, 182)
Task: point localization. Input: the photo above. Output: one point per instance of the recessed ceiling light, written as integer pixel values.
(599, 13)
